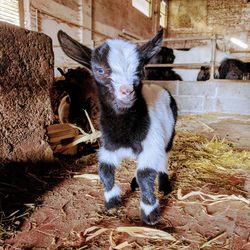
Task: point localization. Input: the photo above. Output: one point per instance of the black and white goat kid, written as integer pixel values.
(137, 121)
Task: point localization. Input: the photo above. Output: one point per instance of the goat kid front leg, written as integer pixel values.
(108, 162)
(111, 190)
(150, 212)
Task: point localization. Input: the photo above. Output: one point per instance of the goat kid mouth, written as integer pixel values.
(127, 100)
(125, 103)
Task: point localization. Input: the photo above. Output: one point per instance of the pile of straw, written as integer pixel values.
(198, 160)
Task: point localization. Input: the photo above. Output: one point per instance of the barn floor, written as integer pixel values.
(204, 211)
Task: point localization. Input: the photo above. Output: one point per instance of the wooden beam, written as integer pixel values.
(27, 14)
(156, 15)
(181, 39)
(57, 10)
(21, 12)
(181, 65)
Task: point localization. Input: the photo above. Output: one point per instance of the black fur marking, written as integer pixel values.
(107, 175)
(100, 59)
(164, 183)
(173, 107)
(114, 202)
(174, 110)
(152, 218)
(134, 185)
(146, 180)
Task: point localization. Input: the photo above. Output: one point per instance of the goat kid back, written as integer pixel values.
(137, 121)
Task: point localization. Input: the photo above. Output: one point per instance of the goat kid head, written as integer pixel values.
(116, 65)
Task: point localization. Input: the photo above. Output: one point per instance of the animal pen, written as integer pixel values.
(51, 185)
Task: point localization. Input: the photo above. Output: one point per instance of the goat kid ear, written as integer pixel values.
(74, 49)
(152, 47)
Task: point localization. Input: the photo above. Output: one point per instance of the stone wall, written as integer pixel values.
(26, 76)
(188, 18)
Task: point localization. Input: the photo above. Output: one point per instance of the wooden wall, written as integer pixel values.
(92, 21)
(110, 17)
(88, 21)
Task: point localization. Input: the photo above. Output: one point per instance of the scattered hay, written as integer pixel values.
(90, 234)
(213, 240)
(92, 177)
(145, 232)
(198, 160)
(211, 199)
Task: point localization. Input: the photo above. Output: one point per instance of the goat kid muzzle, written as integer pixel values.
(125, 93)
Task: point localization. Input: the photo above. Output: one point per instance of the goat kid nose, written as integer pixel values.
(125, 90)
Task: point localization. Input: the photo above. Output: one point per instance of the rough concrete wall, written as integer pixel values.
(223, 96)
(26, 75)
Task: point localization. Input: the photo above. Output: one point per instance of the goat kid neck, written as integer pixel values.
(124, 129)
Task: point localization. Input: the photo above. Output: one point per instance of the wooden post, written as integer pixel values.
(21, 13)
(213, 56)
(86, 22)
(156, 15)
(26, 14)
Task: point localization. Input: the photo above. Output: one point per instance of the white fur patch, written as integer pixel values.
(115, 191)
(115, 157)
(123, 60)
(148, 208)
(161, 128)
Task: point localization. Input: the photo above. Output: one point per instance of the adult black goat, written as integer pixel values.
(234, 69)
(80, 86)
(165, 56)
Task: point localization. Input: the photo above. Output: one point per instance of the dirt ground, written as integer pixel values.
(61, 207)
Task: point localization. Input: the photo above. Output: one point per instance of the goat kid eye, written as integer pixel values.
(100, 71)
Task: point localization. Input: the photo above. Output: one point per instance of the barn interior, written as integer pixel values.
(51, 196)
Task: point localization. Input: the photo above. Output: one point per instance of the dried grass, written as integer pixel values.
(145, 232)
(212, 199)
(199, 160)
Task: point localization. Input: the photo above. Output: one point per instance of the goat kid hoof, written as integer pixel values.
(166, 188)
(152, 218)
(134, 185)
(114, 202)
(164, 184)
